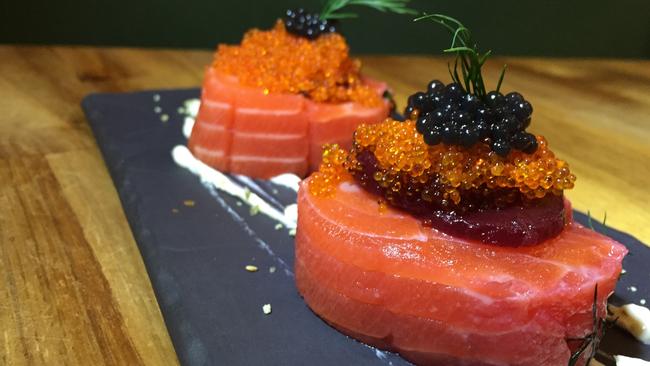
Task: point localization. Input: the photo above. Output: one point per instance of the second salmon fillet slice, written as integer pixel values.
(248, 131)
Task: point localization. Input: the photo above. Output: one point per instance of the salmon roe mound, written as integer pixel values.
(280, 62)
(332, 171)
(410, 166)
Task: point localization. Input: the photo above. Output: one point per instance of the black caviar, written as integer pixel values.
(449, 114)
(308, 25)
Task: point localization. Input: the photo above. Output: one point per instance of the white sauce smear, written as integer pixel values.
(190, 109)
(633, 318)
(629, 361)
(622, 361)
(208, 175)
(290, 181)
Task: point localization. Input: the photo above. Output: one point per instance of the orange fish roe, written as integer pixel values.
(409, 165)
(280, 62)
(331, 172)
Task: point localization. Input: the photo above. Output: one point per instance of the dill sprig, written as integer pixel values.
(590, 222)
(600, 326)
(467, 53)
(332, 7)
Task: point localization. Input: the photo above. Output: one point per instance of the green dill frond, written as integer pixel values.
(331, 9)
(467, 53)
(599, 328)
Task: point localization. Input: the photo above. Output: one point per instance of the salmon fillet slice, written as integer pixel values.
(265, 167)
(411, 336)
(214, 158)
(210, 136)
(335, 124)
(387, 280)
(247, 126)
(216, 113)
(216, 86)
(269, 145)
(256, 112)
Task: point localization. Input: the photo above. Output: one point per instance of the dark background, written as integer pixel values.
(616, 28)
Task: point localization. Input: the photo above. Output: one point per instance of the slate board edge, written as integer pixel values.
(143, 239)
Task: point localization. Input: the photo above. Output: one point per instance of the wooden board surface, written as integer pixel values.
(74, 287)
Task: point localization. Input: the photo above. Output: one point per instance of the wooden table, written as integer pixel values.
(73, 285)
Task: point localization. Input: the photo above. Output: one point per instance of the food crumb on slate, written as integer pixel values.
(254, 210)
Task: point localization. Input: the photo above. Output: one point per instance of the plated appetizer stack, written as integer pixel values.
(447, 238)
(270, 103)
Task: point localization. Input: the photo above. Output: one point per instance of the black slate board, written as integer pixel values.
(195, 257)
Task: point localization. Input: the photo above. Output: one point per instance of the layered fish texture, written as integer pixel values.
(381, 276)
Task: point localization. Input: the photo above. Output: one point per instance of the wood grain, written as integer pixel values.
(74, 286)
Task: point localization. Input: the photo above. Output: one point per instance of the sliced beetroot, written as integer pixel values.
(519, 222)
(517, 225)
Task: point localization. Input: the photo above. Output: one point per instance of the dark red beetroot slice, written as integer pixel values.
(516, 225)
(526, 222)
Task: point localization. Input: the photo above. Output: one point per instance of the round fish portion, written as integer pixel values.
(248, 131)
(382, 277)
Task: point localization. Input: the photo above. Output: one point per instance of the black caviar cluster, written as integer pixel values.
(308, 25)
(449, 114)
